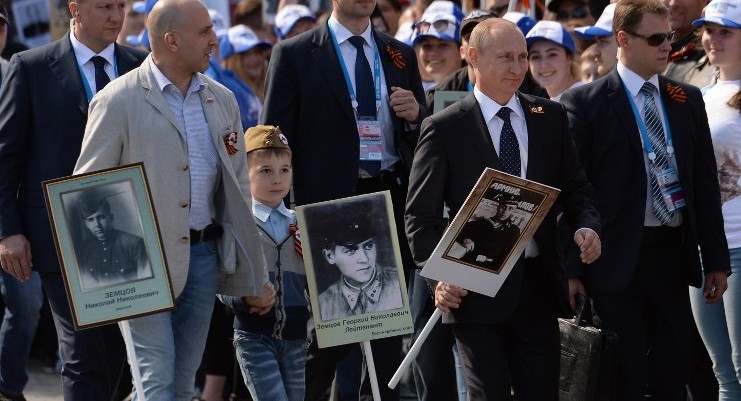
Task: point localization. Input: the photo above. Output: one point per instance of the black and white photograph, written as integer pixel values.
(109, 245)
(491, 230)
(489, 236)
(356, 271)
(353, 268)
(108, 240)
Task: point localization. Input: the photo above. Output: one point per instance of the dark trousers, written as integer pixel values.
(522, 353)
(94, 359)
(434, 367)
(653, 321)
(321, 364)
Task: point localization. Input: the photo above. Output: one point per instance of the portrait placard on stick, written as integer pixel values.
(109, 246)
(354, 269)
(490, 232)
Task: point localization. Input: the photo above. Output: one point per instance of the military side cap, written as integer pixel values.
(265, 137)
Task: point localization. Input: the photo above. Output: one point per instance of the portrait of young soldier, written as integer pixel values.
(353, 244)
(106, 255)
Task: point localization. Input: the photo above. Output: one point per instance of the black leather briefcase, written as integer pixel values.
(588, 357)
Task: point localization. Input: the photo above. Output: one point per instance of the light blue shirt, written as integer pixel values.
(202, 157)
(275, 222)
(390, 156)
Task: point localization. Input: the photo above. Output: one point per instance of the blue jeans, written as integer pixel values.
(273, 369)
(720, 328)
(23, 302)
(169, 345)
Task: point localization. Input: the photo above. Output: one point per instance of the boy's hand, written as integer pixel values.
(263, 303)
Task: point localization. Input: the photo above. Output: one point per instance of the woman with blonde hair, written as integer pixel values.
(245, 54)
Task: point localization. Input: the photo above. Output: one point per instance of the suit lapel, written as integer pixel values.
(63, 65)
(154, 95)
(678, 117)
(618, 97)
(328, 62)
(479, 132)
(125, 60)
(537, 125)
(218, 133)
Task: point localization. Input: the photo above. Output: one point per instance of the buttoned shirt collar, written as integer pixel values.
(632, 81)
(262, 211)
(490, 108)
(342, 34)
(83, 54)
(196, 83)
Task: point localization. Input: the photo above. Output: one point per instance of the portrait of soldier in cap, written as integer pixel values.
(488, 239)
(350, 243)
(105, 255)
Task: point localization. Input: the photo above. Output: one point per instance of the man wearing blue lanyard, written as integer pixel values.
(645, 143)
(351, 117)
(43, 111)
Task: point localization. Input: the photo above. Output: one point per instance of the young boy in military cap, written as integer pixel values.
(364, 287)
(271, 344)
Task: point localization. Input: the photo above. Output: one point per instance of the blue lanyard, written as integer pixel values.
(644, 132)
(469, 86)
(376, 72)
(88, 90)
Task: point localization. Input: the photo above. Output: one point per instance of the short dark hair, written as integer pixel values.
(629, 13)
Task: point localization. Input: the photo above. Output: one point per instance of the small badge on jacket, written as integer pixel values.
(230, 139)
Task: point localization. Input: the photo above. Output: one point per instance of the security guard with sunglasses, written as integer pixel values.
(645, 144)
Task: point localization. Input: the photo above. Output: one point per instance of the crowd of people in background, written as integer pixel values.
(631, 108)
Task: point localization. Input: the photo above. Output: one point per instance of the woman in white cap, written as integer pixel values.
(551, 56)
(720, 323)
(244, 53)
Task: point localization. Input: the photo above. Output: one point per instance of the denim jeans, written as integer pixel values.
(169, 345)
(273, 369)
(720, 328)
(23, 302)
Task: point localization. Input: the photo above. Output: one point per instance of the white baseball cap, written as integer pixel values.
(603, 27)
(288, 16)
(552, 31)
(722, 12)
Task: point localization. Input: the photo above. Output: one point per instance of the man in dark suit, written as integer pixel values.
(646, 147)
(510, 341)
(351, 118)
(43, 111)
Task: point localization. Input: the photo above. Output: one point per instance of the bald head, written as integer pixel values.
(168, 16)
(494, 29)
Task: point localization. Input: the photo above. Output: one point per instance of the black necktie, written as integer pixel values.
(509, 148)
(101, 77)
(365, 93)
(655, 132)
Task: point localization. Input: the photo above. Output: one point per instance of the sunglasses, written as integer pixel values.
(575, 13)
(654, 40)
(439, 25)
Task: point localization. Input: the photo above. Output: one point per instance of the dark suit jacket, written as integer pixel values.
(307, 97)
(608, 140)
(43, 111)
(454, 148)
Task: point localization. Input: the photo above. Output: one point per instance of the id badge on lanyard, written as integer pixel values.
(671, 189)
(371, 139)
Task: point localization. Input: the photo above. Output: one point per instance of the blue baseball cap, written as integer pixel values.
(142, 39)
(239, 39)
(523, 21)
(602, 28)
(722, 12)
(289, 15)
(552, 31)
